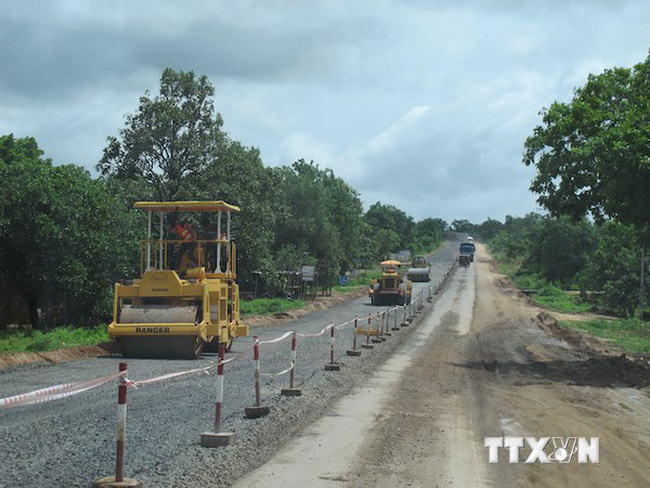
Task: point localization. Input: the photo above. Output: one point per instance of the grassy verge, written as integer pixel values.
(362, 281)
(269, 306)
(59, 338)
(556, 299)
(549, 296)
(633, 335)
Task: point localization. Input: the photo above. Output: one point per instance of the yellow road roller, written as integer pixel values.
(391, 287)
(187, 297)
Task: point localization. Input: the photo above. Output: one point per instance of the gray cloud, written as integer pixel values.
(424, 105)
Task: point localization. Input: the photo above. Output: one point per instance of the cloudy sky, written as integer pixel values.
(421, 104)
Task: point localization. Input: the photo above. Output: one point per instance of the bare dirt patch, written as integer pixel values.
(11, 360)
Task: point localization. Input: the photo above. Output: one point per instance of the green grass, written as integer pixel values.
(549, 296)
(362, 281)
(59, 338)
(633, 335)
(556, 299)
(269, 306)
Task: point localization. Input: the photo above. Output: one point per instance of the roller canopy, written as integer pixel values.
(211, 206)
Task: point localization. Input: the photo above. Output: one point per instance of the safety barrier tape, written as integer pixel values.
(169, 376)
(56, 392)
(284, 371)
(302, 334)
(277, 339)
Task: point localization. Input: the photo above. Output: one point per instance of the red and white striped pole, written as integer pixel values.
(292, 374)
(384, 322)
(258, 372)
(354, 351)
(257, 410)
(292, 390)
(395, 327)
(121, 426)
(219, 402)
(332, 366)
(367, 345)
(218, 438)
(119, 479)
(377, 339)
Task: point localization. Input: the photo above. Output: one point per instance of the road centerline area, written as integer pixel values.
(326, 450)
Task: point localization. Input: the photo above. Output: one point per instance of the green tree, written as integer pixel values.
(592, 154)
(171, 137)
(64, 239)
(428, 234)
(559, 249)
(463, 226)
(613, 268)
(318, 213)
(388, 241)
(489, 229)
(237, 175)
(391, 218)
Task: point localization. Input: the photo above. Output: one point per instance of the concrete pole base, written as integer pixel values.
(291, 392)
(367, 346)
(256, 412)
(211, 439)
(109, 482)
(332, 367)
(353, 352)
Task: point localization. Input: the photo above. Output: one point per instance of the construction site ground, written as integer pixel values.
(485, 363)
(480, 360)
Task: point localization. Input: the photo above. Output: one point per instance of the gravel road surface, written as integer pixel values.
(71, 442)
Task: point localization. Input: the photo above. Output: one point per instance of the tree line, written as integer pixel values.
(542, 251)
(66, 236)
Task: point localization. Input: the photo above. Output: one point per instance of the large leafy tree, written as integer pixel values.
(237, 175)
(64, 239)
(318, 214)
(389, 217)
(489, 229)
(559, 249)
(593, 154)
(428, 233)
(171, 138)
(613, 267)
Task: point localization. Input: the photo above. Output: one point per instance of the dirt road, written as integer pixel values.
(483, 364)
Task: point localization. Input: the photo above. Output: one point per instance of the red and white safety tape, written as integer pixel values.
(318, 334)
(56, 392)
(277, 339)
(169, 376)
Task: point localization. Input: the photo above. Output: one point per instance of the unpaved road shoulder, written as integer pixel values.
(482, 364)
(509, 375)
